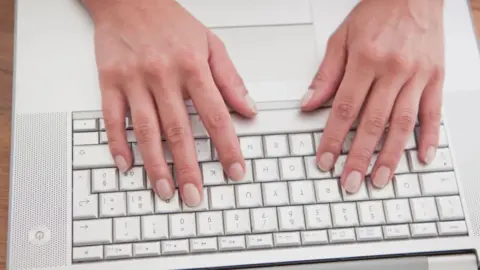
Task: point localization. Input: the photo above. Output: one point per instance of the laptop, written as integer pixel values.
(70, 209)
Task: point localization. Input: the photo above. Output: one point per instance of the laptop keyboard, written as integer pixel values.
(283, 201)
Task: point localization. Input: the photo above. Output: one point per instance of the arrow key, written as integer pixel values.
(92, 232)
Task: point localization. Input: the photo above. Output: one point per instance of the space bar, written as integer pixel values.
(272, 122)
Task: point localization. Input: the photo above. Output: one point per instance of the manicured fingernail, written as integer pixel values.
(251, 103)
(352, 184)
(431, 152)
(163, 189)
(121, 164)
(306, 98)
(236, 172)
(191, 195)
(382, 176)
(326, 162)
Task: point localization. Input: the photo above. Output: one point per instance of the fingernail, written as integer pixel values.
(191, 195)
(306, 98)
(352, 184)
(431, 152)
(251, 103)
(326, 162)
(235, 172)
(163, 189)
(381, 177)
(121, 164)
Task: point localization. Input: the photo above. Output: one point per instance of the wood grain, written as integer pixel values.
(6, 51)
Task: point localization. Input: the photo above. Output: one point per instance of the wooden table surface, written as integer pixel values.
(6, 50)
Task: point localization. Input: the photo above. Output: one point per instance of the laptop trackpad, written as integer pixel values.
(276, 62)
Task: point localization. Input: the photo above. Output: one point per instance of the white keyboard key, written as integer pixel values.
(344, 215)
(406, 185)
(318, 216)
(276, 146)
(154, 227)
(397, 211)
(203, 244)
(292, 168)
(92, 156)
(85, 206)
(301, 192)
(146, 249)
(121, 251)
(287, 239)
(101, 124)
(360, 195)
(264, 219)
(441, 162)
(327, 191)
(104, 180)
(133, 179)
(423, 230)
(113, 204)
(85, 125)
(291, 218)
(438, 184)
(342, 235)
(228, 243)
(222, 197)
(447, 228)
(169, 206)
(275, 193)
(213, 174)
(313, 172)
(210, 223)
(237, 221)
(369, 233)
(316, 138)
(411, 142)
(166, 151)
(402, 166)
(248, 195)
(396, 232)
(301, 144)
(200, 207)
(450, 208)
(339, 164)
(85, 138)
(424, 209)
(174, 247)
(251, 147)
(92, 232)
(248, 177)
(129, 133)
(371, 213)
(204, 150)
(126, 229)
(85, 254)
(266, 170)
(137, 155)
(373, 159)
(380, 193)
(182, 225)
(259, 241)
(318, 237)
(82, 182)
(139, 202)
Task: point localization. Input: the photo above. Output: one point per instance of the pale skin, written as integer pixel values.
(383, 65)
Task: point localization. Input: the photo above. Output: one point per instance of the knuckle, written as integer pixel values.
(400, 62)
(374, 124)
(186, 171)
(175, 133)
(344, 108)
(372, 52)
(405, 121)
(432, 116)
(218, 121)
(438, 72)
(192, 61)
(144, 130)
(154, 63)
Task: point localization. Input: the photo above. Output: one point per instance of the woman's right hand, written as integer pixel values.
(151, 55)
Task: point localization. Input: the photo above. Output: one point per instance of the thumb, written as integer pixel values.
(330, 73)
(227, 79)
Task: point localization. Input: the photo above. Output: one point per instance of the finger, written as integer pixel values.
(345, 108)
(228, 80)
(217, 120)
(147, 132)
(430, 117)
(402, 123)
(330, 73)
(372, 126)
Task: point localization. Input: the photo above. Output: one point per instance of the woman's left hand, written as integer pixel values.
(385, 64)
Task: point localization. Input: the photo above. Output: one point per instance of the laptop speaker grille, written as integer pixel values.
(38, 226)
